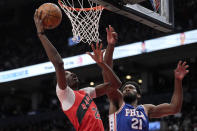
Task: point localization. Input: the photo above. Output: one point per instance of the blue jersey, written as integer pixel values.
(129, 118)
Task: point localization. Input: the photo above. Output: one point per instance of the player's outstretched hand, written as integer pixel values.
(181, 70)
(38, 21)
(97, 55)
(112, 36)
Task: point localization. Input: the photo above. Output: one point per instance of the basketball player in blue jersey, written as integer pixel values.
(124, 112)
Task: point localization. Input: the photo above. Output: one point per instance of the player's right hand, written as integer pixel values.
(38, 21)
(112, 36)
(97, 55)
(181, 70)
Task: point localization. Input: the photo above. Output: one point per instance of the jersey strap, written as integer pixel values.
(112, 122)
(83, 107)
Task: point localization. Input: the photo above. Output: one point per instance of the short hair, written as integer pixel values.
(137, 86)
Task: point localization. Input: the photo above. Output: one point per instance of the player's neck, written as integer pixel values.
(134, 104)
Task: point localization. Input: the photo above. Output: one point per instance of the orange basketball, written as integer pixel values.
(51, 15)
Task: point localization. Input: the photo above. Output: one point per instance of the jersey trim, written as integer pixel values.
(115, 121)
(83, 107)
(144, 109)
(112, 119)
(120, 109)
(146, 115)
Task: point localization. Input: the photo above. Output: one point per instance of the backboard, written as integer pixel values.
(163, 20)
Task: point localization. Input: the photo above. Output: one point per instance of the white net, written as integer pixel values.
(85, 21)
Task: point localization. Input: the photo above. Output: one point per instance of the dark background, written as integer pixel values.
(31, 104)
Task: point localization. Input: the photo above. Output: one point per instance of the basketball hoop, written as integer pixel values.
(85, 21)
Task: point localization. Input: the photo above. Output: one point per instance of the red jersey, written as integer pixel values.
(84, 114)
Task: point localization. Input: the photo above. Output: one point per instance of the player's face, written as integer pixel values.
(129, 93)
(72, 79)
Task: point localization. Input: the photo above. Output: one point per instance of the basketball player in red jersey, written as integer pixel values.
(77, 104)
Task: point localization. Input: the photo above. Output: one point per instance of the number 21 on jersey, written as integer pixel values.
(136, 124)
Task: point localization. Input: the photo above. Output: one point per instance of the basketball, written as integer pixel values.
(51, 15)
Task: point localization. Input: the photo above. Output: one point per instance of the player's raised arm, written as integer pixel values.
(98, 57)
(112, 38)
(51, 51)
(176, 101)
(114, 95)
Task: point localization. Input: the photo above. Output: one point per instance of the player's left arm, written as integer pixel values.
(175, 105)
(112, 38)
(51, 51)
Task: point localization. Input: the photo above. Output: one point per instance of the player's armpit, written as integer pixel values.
(161, 110)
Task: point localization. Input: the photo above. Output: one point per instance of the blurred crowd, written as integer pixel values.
(183, 121)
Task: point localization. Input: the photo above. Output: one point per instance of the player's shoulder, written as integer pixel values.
(148, 107)
(88, 90)
(66, 90)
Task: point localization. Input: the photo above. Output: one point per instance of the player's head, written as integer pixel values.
(72, 80)
(131, 92)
